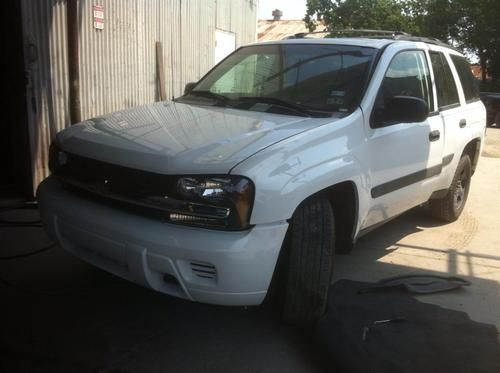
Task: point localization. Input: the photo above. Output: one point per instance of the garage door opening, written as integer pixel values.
(225, 43)
(15, 166)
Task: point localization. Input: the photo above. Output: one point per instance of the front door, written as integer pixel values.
(405, 159)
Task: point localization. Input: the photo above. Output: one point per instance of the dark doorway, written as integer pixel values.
(15, 159)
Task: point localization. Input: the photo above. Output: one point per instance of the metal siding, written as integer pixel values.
(47, 90)
(223, 17)
(189, 22)
(206, 35)
(118, 64)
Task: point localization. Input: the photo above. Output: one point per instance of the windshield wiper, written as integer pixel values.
(304, 111)
(209, 94)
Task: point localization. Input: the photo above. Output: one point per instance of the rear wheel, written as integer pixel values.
(451, 206)
(303, 274)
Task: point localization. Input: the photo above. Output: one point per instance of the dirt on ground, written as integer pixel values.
(492, 143)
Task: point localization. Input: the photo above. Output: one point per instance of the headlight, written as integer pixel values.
(232, 194)
(208, 189)
(57, 157)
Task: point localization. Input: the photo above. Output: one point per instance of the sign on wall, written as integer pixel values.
(98, 17)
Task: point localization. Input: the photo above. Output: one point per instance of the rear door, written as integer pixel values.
(405, 159)
(473, 121)
(460, 109)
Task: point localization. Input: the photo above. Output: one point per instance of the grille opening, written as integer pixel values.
(204, 270)
(140, 192)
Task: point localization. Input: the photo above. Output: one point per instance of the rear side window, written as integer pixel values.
(446, 88)
(469, 83)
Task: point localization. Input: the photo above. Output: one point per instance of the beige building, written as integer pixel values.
(279, 29)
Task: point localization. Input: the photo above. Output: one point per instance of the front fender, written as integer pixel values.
(289, 172)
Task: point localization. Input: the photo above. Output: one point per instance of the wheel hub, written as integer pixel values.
(459, 192)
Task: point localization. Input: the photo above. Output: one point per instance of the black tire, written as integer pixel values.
(303, 274)
(451, 206)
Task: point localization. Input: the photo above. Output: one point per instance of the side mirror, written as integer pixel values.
(189, 87)
(402, 109)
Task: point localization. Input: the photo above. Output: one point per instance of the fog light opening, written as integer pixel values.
(169, 279)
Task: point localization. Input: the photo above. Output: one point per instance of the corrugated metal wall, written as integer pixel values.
(118, 63)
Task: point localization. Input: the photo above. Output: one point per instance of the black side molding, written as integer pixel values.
(447, 160)
(407, 180)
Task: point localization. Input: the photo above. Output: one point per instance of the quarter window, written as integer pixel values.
(446, 88)
(469, 83)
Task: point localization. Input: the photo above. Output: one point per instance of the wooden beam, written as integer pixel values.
(160, 69)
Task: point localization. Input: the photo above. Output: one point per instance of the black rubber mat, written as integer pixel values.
(421, 337)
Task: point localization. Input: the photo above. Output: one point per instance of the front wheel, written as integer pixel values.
(304, 269)
(451, 206)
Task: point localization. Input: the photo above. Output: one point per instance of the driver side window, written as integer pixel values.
(407, 75)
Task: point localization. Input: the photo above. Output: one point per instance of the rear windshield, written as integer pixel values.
(329, 78)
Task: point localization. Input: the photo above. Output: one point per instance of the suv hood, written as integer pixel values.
(175, 138)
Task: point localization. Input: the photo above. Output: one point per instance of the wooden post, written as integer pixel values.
(160, 68)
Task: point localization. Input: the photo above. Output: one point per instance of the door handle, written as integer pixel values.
(434, 135)
(462, 123)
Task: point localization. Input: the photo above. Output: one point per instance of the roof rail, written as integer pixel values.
(370, 34)
(342, 32)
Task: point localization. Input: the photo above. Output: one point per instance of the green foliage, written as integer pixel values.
(368, 14)
(472, 25)
(478, 30)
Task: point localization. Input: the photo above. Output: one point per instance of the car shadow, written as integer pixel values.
(63, 315)
(392, 251)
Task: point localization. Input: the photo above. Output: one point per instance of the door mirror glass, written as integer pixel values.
(402, 109)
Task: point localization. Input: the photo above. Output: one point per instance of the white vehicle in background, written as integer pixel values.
(282, 155)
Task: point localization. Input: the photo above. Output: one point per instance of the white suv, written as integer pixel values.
(286, 152)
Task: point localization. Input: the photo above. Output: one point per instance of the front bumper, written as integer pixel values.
(218, 267)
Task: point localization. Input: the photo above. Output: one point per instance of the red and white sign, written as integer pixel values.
(98, 17)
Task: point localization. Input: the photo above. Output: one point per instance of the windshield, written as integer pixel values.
(316, 77)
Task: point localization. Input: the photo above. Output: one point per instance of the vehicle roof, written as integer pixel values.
(377, 43)
(361, 42)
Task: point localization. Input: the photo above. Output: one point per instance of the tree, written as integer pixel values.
(367, 14)
(477, 30)
(471, 25)
(432, 18)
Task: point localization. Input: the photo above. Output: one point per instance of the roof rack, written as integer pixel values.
(370, 34)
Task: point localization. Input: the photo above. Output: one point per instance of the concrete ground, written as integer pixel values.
(62, 315)
(469, 247)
